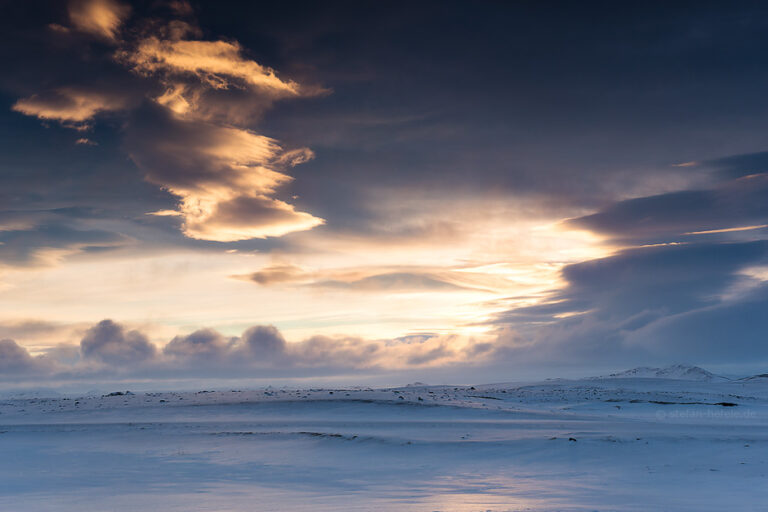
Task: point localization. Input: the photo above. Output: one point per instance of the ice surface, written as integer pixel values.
(635, 443)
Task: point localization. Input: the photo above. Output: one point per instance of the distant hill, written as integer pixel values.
(676, 371)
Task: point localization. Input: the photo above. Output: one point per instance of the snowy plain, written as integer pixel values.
(637, 441)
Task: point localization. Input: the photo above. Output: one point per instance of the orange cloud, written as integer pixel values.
(70, 105)
(242, 218)
(224, 177)
(101, 18)
(219, 64)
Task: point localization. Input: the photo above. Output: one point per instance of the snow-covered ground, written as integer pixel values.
(629, 442)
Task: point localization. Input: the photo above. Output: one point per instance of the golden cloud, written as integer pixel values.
(223, 176)
(101, 18)
(218, 64)
(70, 105)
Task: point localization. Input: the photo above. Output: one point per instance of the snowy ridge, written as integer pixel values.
(758, 377)
(675, 371)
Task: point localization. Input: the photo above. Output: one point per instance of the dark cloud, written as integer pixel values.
(45, 244)
(737, 166)
(202, 346)
(335, 352)
(264, 342)
(645, 303)
(111, 343)
(263, 347)
(733, 331)
(14, 358)
(738, 203)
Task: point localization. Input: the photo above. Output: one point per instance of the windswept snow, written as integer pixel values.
(635, 443)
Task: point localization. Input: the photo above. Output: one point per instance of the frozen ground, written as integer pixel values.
(629, 444)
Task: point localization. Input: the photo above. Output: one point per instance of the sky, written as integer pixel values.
(375, 192)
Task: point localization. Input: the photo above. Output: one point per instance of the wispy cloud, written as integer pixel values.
(217, 64)
(367, 279)
(101, 18)
(664, 217)
(727, 230)
(73, 106)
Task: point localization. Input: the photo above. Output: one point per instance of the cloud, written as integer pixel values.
(242, 218)
(394, 281)
(109, 342)
(727, 207)
(109, 350)
(45, 244)
(428, 353)
(733, 330)
(362, 279)
(14, 358)
(204, 345)
(25, 328)
(181, 7)
(217, 64)
(264, 342)
(188, 125)
(339, 352)
(72, 106)
(16, 363)
(650, 303)
(33, 238)
(224, 177)
(737, 166)
(263, 346)
(34, 331)
(208, 80)
(695, 281)
(101, 18)
(278, 273)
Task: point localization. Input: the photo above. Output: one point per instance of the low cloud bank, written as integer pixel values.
(109, 350)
